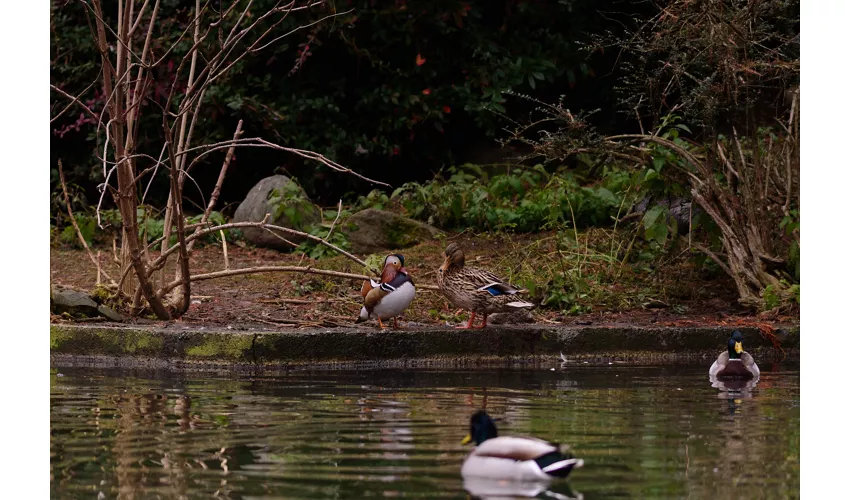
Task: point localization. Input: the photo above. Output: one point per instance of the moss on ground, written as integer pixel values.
(135, 342)
(223, 346)
(58, 337)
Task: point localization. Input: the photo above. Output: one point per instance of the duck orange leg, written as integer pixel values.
(468, 326)
(483, 323)
(395, 323)
(381, 324)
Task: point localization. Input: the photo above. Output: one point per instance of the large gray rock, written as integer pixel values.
(74, 302)
(256, 205)
(80, 304)
(372, 230)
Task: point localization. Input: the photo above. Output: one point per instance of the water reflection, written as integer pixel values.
(655, 432)
(741, 388)
(489, 489)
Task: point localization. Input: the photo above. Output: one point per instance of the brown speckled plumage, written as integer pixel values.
(467, 287)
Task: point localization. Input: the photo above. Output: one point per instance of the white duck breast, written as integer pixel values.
(395, 302)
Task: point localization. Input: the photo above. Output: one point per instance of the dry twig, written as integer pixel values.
(224, 248)
(85, 245)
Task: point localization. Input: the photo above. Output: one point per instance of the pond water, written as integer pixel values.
(651, 432)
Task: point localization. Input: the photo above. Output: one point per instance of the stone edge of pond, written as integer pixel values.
(434, 347)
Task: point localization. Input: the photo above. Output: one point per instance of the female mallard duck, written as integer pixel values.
(477, 290)
(512, 458)
(390, 296)
(735, 363)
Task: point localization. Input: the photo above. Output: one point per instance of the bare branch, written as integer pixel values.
(333, 224)
(77, 227)
(224, 249)
(262, 143)
(96, 12)
(139, 19)
(669, 144)
(275, 269)
(139, 90)
(182, 141)
(263, 225)
(177, 211)
(156, 168)
(74, 100)
(217, 189)
(717, 260)
(281, 238)
(263, 269)
(329, 16)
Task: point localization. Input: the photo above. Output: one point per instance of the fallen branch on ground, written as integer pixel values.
(300, 301)
(234, 225)
(273, 269)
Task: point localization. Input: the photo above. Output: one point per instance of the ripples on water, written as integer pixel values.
(653, 432)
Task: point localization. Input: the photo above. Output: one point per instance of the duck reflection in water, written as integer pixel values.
(734, 387)
(496, 489)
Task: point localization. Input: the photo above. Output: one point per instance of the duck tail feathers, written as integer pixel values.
(558, 464)
(519, 304)
(364, 315)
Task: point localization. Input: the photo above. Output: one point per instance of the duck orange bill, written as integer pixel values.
(739, 348)
(467, 439)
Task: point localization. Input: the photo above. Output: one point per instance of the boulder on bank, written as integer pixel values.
(257, 204)
(372, 230)
(79, 304)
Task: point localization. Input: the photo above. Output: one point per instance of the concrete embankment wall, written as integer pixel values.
(90, 345)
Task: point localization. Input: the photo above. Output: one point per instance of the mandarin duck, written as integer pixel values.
(390, 296)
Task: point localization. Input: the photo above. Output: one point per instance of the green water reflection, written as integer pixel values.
(652, 432)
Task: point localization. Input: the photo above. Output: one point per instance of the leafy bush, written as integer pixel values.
(150, 227)
(316, 250)
(524, 200)
(290, 201)
(87, 226)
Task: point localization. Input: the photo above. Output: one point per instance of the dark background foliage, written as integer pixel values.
(399, 90)
(395, 90)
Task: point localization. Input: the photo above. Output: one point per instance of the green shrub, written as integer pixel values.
(150, 227)
(523, 200)
(289, 201)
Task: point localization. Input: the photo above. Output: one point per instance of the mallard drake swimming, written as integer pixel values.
(734, 363)
(477, 290)
(390, 296)
(512, 458)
